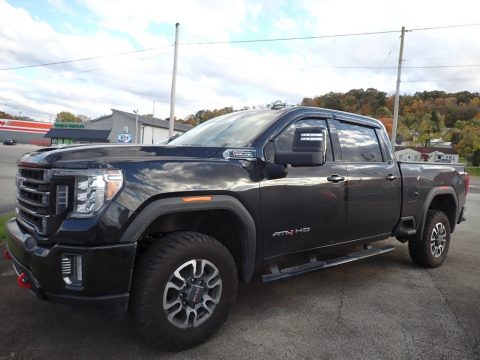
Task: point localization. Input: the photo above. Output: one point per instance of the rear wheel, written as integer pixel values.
(183, 289)
(431, 250)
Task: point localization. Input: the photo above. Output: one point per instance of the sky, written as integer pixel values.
(134, 40)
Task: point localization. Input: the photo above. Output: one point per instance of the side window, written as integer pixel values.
(359, 143)
(285, 139)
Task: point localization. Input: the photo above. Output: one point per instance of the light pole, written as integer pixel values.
(136, 126)
(171, 123)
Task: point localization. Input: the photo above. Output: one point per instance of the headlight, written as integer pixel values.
(93, 189)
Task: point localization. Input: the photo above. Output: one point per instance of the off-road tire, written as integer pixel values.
(152, 273)
(420, 249)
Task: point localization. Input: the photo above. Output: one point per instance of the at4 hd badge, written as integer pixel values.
(291, 232)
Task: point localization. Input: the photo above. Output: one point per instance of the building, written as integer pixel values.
(73, 135)
(26, 132)
(121, 125)
(429, 154)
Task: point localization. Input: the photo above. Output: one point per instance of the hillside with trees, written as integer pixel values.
(424, 116)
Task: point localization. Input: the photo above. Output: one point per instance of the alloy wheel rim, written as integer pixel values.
(192, 293)
(438, 239)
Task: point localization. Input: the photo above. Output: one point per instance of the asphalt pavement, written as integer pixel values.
(379, 308)
(8, 168)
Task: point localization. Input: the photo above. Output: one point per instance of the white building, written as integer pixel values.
(122, 127)
(434, 154)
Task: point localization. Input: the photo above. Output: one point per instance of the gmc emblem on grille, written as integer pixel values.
(291, 232)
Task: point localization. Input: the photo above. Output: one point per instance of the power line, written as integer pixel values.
(394, 67)
(443, 58)
(386, 58)
(472, 79)
(444, 27)
(238, 42)
(289, 38)
(8, 102)
(198, 43)
(326, 36)
(98, 68)
(84, 59)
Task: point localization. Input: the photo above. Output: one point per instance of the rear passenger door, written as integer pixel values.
(373, 188)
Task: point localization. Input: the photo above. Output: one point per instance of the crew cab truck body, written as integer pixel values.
(166, 231)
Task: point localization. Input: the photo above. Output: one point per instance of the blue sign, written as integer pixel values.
(124, 138)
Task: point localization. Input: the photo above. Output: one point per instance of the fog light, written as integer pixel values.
(72, 271)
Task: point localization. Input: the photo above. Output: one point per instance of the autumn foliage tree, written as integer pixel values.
(470, 140)
(66, 116)
(423, 116)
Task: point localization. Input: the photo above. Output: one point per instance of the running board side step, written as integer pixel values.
(314, 264)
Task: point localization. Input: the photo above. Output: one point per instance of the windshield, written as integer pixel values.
(237, 129)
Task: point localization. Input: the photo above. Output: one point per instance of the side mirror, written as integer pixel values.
(309, 148)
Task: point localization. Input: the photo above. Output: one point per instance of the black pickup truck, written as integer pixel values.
(167, 231)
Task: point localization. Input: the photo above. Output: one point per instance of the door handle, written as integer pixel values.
(335, 178)
(391, 177)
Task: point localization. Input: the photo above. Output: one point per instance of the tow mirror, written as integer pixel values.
(309, 148)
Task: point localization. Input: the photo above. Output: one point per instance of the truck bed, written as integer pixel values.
(420, 180)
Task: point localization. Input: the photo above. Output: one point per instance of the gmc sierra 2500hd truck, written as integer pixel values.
(167, 231)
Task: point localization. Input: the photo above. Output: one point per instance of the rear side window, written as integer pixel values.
(359, 143)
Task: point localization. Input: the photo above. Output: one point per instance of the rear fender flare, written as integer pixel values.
(442, 190)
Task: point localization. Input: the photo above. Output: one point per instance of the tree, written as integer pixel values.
(66, 116)
(425, 157)
(383, 112)
(4, 115)
(387, 122)
(470, 140)
(454, 136)
(428, 130)
(476, 157)
(83, 118)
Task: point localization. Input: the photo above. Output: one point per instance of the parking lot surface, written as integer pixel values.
(379, 308)
(8, 168)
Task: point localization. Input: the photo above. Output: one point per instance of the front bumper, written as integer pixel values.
(107, 271)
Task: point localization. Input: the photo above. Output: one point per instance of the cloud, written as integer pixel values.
(214, 76)
(60, 5)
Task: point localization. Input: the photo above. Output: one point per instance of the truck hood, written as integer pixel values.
(88, 156)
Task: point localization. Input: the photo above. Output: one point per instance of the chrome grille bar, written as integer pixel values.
(33, 199)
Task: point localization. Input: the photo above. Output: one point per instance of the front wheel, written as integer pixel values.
(183, 289)
(431, 250)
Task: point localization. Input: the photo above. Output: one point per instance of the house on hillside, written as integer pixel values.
(429, 154)
(122, 127)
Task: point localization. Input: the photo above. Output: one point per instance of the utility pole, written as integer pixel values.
(136, 126)
(397, 91)
(174, 80)
(153, 121)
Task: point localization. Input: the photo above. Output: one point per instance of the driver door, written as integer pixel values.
(305, 209)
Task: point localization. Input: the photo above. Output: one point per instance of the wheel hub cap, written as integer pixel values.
(438, 239)
(192, 293)
(195, 294)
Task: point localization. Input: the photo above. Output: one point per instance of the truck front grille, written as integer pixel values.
(34, 201)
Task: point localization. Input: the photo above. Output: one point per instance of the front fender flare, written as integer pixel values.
(218, 202)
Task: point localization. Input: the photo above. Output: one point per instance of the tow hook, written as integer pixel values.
(23, 281)
(7, 255)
